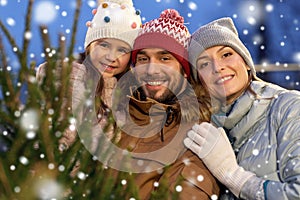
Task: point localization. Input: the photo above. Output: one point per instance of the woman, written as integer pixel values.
(252, 144)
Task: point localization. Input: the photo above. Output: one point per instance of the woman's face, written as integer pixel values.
(110, 56)
(224, 72)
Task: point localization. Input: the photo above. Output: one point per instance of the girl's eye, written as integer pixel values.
(103, 44)
(124, 50)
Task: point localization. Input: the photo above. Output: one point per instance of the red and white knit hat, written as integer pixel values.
(167, 32)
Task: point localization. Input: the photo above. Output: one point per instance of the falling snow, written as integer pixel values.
(48, 189)
(271, 32)
(45, 12)
(29, 120)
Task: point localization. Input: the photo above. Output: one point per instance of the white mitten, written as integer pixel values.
(213, 147)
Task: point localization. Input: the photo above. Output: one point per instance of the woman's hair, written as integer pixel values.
(206, 107)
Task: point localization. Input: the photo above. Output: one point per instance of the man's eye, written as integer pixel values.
(165, 58)
(142, 59)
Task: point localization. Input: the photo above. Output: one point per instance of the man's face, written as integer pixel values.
(159, 73)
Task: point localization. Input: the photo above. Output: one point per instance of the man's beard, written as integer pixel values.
(167, 97)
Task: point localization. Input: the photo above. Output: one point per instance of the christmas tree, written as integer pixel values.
(31, 165)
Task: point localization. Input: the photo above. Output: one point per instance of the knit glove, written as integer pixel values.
(213, 147)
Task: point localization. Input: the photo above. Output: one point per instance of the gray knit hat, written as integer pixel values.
(218, 32)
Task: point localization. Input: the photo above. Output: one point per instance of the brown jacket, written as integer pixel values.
(159, 145)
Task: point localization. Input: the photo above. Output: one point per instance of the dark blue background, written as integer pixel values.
(269, 28)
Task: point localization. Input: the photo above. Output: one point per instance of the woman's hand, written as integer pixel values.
(213, 147)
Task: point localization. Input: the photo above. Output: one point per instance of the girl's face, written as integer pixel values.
(110, 56)
(224, 72)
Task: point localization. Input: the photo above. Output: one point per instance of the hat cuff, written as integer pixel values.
(163, 41)
(108, 32)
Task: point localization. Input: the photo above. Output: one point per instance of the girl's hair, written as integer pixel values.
(92, 72)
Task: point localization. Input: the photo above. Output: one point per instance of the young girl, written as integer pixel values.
(108, 46)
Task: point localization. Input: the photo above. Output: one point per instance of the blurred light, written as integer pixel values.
(252, 8)
(64, 13)
(269, 7)
(296, 57)
(251, 20)
(92, 4)
(45, 12)
(192, 5)
(3, 2)
(10, 21)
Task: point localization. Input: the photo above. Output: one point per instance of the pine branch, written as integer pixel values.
(74, 30)
(21, 55)
(5, 118)
(47, 138)
(5, 180)
(27, 30)
(49, 79)
(24, 70)
(6, 81)
(11, 40)
(64, 91)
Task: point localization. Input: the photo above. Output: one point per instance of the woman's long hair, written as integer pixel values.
(206, 106)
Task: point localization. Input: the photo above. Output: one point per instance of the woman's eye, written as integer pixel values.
(202, 65)
(227, 54)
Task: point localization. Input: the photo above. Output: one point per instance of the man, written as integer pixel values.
(161, 110)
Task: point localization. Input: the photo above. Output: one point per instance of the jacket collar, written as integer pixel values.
(238, 118)
(186, 105)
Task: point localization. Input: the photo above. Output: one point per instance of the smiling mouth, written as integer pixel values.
(108, 66)
(154, 83)
(224, 79)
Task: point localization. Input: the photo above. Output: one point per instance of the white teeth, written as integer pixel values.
(107, 66)
(224, 79)
(154, 83)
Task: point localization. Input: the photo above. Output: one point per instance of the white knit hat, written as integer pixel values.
(167, 32)
(215, 33)
(116, 19)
